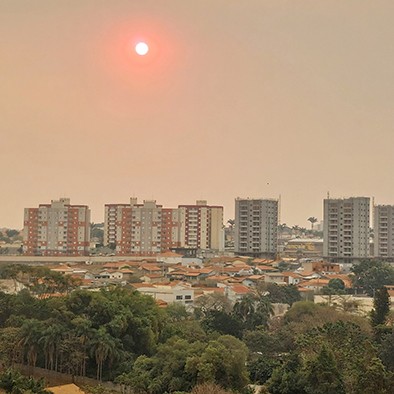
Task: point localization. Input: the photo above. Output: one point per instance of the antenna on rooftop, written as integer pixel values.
(328, 195)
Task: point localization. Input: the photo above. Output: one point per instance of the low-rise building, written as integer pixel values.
(170, 293)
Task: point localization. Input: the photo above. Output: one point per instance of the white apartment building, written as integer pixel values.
(346, 229)
(384, 231)
(256, 227)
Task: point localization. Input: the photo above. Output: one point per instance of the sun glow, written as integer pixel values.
(141, 48)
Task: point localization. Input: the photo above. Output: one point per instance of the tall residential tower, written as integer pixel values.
(346, 229)
(384, 232)
(57, 229)
(148, 228)
(256, 227)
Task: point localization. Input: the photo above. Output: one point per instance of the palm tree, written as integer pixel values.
(313, 220)
(103, 347)
(49, 342)
(296, 229)
(245, 307)
(254, 310)
(83, 331)
(31, 332)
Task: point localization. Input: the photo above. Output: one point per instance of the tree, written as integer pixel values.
(49, 342)
(261, 369)
(288, 378)
(223, 323)
(335, 286)
(387, 351)
(211, 302)
(381, 303)
(166, 370)
(322, 375)
(11, 233)
(103, 347)
(13, 382)
(375, 379)
(31, 332)
(10, 347)
(372, 275)
(350, 347)
(96, 231)
(282, 227)
(281, 294)
(223, 362)
(313, 220)
(296, 228)
(253, 310)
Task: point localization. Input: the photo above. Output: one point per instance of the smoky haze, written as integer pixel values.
(238, 98)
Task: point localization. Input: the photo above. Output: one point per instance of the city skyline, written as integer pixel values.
(260, 99)
(226, 216)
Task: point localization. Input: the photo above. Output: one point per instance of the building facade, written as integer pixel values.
(256, 227)
(148, 228)
(201, 226)
(57, 229)
(145, 228)
(346, 229)
(384, 231)
(170, 229)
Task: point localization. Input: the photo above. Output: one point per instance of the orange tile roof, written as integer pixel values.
(240, 289)
(169, 254)
(255, 277)
(148, 267)
(266, 267)
(153, 276)
(140, 285)
(292, 274)
(314, 282)
(115, 264)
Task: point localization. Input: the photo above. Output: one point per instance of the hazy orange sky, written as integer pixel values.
(253, 98)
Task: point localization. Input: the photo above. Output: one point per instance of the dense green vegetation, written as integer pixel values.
(118, 334)
(368, 276)
(14, 382)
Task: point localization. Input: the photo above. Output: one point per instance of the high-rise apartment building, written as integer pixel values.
(133, 228)
(170, 229)
(117, 225)
(384, 231)
(346, 229)
(148, 228)
(201, 226)
(57, 229)
(145, 227)
(256, 227)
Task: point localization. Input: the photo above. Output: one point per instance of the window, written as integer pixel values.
(179, 297)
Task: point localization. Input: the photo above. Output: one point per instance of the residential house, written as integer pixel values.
(236, 292)
(170, 292)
